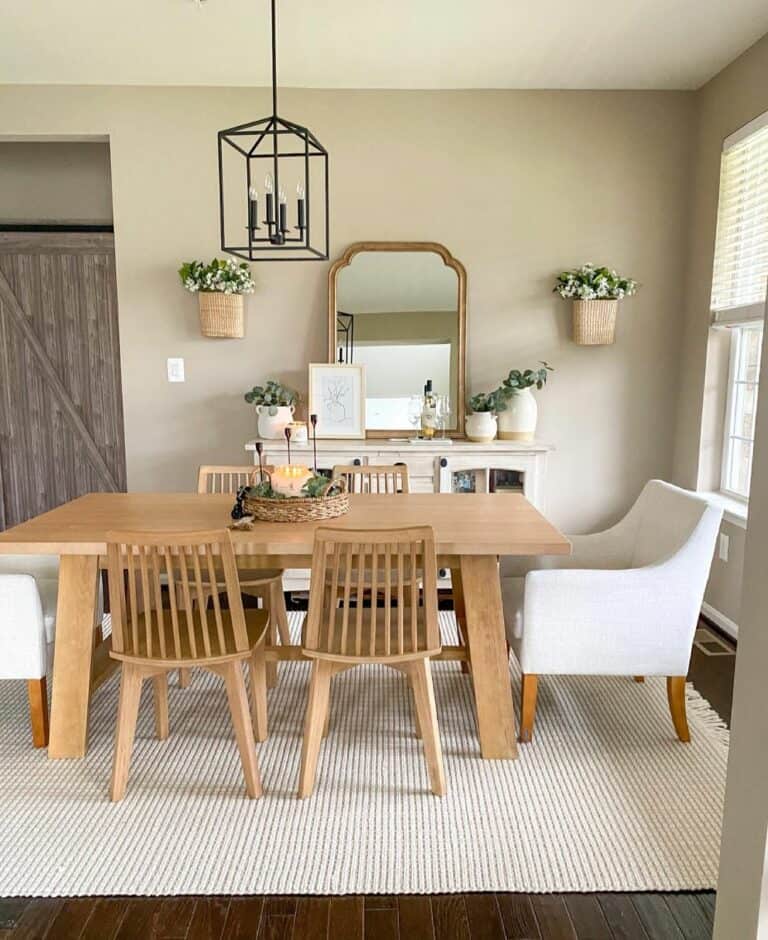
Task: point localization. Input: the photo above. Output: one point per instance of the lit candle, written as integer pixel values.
(253, 208)
(299, 432)
(300, 194)
(269, 187)
(288, 481)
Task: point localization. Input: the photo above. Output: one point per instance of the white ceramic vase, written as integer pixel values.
(518, 421)
(480, 426)
(272, 427)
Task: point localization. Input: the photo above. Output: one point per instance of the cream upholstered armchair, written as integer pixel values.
(28, 591)
(625, 602)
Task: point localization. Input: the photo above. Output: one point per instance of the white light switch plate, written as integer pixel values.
(175, 370)
(725, 544)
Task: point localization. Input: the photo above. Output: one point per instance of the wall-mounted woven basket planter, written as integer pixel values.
(221, 315)
(594, 322)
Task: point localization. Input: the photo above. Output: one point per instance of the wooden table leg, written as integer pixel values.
(75, 613)
(487, 645)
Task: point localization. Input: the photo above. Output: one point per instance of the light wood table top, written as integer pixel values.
(464, 524)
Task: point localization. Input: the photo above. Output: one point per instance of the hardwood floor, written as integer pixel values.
(682, 916)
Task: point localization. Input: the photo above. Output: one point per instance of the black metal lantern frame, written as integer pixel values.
(275, 149)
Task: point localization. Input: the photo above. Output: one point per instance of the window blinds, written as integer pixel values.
(741, 247)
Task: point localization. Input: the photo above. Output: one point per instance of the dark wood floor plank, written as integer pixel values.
(11, 910)
(656, 916)
(280, 904)
(517, 916)
(484, 917)
(36, 918)
(346, 918)
(209, 918)
(276, 927)
(173, 918)
(587, 917)
(380, 923)
(138, 922)
(552, 917)
(690, 916)
(449, 917)
(105, 919)
(71, 919)
(243, 919)
(414, 916)
(622, 917)
(311, 922)
(380, 902)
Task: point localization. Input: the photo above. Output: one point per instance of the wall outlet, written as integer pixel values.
(724, 545)
(175, 370)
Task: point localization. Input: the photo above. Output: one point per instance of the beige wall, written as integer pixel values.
(731, 99)
(55, 182)
(516, 184)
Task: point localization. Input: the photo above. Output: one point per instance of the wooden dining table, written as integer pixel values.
(471, 532)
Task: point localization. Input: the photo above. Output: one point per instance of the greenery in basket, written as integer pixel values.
(594, 282)
(484, 401)
(224, 277)
(273, 395)
(316, 487)
(517, 380)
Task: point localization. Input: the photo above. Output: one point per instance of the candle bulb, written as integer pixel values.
(253, 209)
(283, 211)
(269, 187)
(287, 432)
(302, 218)
(259, 449)
(313, 422)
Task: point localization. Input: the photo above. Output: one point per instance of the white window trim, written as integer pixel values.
(746, 131)
(728, 437)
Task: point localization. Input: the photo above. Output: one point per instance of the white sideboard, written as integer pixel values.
(435, 467)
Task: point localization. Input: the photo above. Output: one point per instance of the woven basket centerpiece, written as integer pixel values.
(270, 502)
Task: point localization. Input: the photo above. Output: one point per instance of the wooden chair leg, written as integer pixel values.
(160, 690)
(278, 610)
(676, 696)
(639, 678)
(127, 714)
(460, 610)
(424, 694)
(37, 692)
(416, 722)
(528, 708)
(185, 678)
(257, 667)
(272, 665)
(317, 706)
(327, 722)
(237, 696)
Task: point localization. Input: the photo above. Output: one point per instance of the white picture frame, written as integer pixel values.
(337, 397)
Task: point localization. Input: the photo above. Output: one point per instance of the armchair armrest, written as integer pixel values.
(23, 651)
(636, 621)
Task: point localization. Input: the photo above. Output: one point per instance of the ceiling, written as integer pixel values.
(379, 43)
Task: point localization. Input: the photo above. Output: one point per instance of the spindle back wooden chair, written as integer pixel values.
(266, 583)
(385, 478)
(150, 639)
(401, 566)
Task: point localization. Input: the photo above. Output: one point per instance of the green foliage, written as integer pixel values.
(591, 282)
(273, 395)
(484, 401)
(316, 486)
(225, 277)
(517, 380)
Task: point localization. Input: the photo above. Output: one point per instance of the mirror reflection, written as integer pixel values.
(397, 313)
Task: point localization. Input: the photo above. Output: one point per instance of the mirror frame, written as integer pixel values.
(450, 262)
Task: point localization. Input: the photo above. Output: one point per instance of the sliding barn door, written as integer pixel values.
(61, 412)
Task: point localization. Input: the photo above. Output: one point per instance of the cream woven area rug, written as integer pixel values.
(605, 799)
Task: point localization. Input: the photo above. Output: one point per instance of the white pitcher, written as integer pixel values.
(272, 427)
(480, 426)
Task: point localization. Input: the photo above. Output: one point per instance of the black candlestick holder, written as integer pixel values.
(313, 422)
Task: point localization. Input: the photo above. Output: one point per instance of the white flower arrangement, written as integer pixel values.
(591, 282)
(225, 277)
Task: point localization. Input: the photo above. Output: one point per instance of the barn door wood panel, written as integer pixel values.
(61, 417)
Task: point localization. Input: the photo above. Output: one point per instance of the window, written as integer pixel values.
(746, 343)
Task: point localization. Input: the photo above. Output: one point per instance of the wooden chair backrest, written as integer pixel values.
(190, 562)
(351, 566)
(227, 479)
(386, 478)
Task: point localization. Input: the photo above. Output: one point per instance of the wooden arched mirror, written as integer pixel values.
(400, 309)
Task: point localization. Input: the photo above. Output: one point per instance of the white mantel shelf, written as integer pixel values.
(383, 445)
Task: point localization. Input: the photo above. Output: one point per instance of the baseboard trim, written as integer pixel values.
(728, 626)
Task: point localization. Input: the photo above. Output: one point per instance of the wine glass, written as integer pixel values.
(443, 410)
(415, 406)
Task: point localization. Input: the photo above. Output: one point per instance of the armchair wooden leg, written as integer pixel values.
(423, 692)
(278, 610)
(317, 706)
(127, 714)
(160, 683)
(37, 691)
(237, 696)
(528, 707)
(257, 667)
(676, 696)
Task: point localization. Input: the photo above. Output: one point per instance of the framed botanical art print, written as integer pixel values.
(337, 397)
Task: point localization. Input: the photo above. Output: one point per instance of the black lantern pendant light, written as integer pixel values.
(265, 224)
